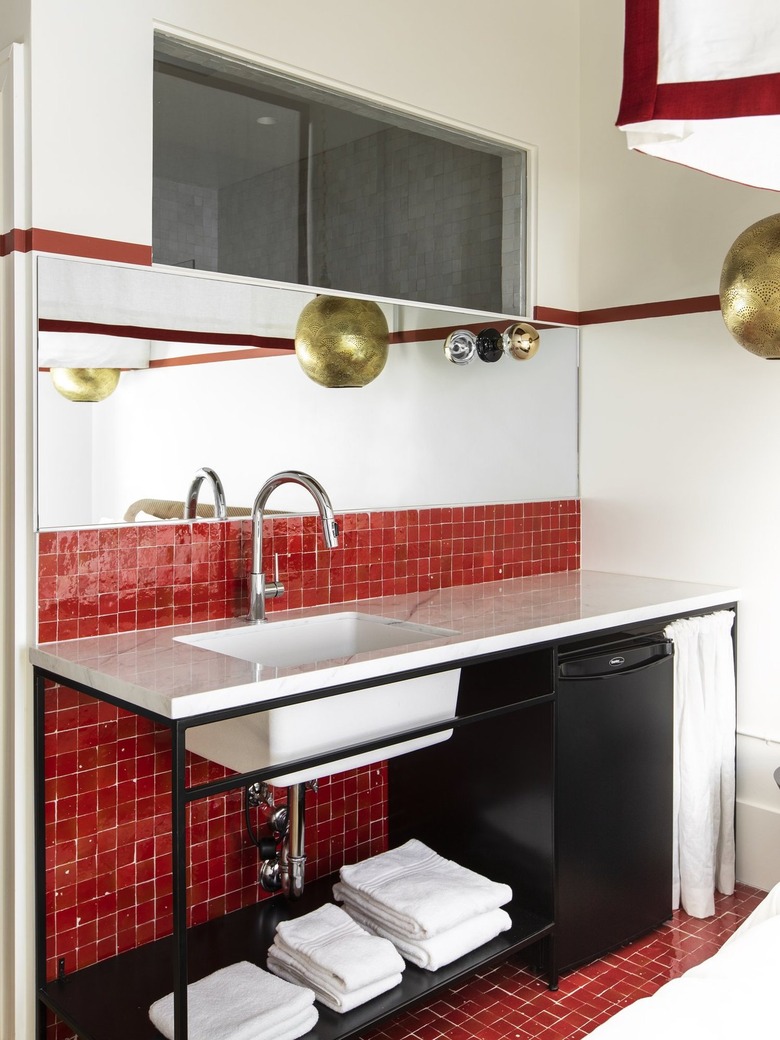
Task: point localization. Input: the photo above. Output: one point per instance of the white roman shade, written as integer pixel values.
(91, 350)
(701, 85)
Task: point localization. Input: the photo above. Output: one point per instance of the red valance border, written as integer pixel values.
(644, 99)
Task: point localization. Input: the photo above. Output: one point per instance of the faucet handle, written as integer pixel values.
(274, 588)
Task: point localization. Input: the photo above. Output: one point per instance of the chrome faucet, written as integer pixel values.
(191, 505)
(259, 589)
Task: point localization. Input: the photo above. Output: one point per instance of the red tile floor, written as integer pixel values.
(510, 1002)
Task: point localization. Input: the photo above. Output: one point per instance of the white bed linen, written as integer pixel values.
(731, 994)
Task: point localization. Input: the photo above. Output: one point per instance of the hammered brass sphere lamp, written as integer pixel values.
(85, 384)
(750, 288)
(341, 342)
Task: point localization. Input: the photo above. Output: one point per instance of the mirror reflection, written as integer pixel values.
(260, 174)
(209, 378)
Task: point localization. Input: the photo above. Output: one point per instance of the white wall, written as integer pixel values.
(17, 541)
(679, 425)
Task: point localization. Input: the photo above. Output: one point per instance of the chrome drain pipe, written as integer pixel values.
(293, 860)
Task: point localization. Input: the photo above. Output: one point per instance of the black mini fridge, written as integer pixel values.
(613, 796)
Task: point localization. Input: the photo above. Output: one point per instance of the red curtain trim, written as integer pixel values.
(640, 62)
(719, 99)
(645, 99)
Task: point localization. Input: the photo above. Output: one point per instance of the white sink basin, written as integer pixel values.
(307, 640)
(331, 723)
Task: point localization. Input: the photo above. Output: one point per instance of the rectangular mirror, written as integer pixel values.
(210, 378)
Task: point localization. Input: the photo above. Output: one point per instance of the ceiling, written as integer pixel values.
(213, 134)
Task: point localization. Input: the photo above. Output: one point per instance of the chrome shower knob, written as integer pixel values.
(460, 347)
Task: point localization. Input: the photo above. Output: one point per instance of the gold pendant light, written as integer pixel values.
(85, 384)
(750, 288)
(341, 342)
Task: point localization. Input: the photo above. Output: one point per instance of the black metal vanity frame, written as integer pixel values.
(92, 1001)
(109, 1000)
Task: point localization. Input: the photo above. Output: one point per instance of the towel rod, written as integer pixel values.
(758, 736)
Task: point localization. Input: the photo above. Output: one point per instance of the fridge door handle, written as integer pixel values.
(582, 668)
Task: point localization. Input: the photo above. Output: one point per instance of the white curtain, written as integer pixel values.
(701, 85)
(704, 768)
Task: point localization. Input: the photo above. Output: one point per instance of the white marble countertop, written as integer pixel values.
(148, 669)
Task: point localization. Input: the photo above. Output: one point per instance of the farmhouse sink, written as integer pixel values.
(282, 735)
(324, 637)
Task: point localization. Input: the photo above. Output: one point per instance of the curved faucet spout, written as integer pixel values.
(259, 589)
(191, 505)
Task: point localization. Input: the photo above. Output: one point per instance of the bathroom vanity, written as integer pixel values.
(476, 782)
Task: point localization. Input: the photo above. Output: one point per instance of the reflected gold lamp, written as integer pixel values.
(341, 342)
(87, 366)
(85, 384)
(750, 288)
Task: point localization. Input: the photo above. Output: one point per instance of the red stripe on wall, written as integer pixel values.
(15, 241)
(225, 355)
(270, 346)
(93, 248)
(203, 359)
(665, 308)
(277, 344)
(630, 312)
(19, 240)
(426, 335)
(556, 316)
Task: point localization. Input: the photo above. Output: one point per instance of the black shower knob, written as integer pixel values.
(490, 346)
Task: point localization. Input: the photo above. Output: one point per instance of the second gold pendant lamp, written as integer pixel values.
(750, 288)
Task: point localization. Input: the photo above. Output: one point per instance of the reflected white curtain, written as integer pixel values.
(704, 767)
(701, 85)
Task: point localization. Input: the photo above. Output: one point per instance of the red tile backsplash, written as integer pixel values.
(120, 579)
(107, 776)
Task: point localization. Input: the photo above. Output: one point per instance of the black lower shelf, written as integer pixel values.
(110, 1000)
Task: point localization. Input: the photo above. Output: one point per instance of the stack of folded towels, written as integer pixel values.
(342, 962)
(432, 909)
(240, 1002)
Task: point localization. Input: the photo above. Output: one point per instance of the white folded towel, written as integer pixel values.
(240, 1002)
(336, 999)
(418, 893)
(440, 949)
(327, 942)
